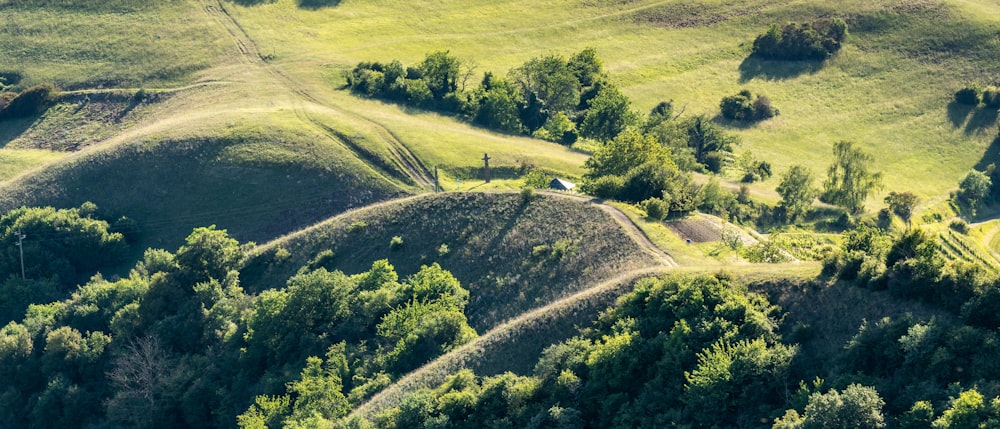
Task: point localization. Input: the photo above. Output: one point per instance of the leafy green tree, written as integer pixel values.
(709, 142)
(586, 66)
(901, 204)
(628, 150)
(973, 188)
(441, 71)
(850, 178)
(856, 407)
(609, 114)
(551, 81)
(797, 191)
(969, 411)
(499, 101)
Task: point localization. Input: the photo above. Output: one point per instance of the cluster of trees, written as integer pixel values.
(745, 107)
(60, 249)
(796, 41)
(178, 343)
(550, 97)
(703, 352)
(29, 102)
(654, 160)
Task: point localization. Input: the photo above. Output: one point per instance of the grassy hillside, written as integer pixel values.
(129, 43)
(888, 90)
(257, 184)
(512, 255)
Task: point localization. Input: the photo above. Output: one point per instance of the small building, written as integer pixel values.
(561, 185)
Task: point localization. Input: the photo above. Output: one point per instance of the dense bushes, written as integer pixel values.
(814, 41)
(549, 97)
(745, 107)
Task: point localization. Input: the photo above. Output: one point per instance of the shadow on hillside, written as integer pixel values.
(958, 112)
(753, 67)
(12, 128)
(991, 156)
(982, 119)
(317, 4)
(732, 123)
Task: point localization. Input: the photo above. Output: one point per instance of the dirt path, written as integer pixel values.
(626, 223)
(405, 160)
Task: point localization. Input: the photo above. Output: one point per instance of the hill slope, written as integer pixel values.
(512, 255)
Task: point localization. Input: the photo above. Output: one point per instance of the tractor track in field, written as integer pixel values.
(415, 171)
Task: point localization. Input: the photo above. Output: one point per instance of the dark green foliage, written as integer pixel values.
(692, 350)
(29, 102)
(970, 95)
(60, 246)
(814, 41)
(609, 114)
(991, 97)
(710, 144)
(498, 106)
(745, 107)
(901, 204)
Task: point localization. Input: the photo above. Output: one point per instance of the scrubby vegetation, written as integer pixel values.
(745, 107)
(550, 97)
(812, 41)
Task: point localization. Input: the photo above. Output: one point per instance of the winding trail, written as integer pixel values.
(626, 223)
(416, 173)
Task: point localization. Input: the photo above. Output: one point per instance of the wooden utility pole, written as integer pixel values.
(486, 170)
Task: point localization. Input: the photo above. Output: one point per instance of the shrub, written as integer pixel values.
(31, 101)
(396, 242)
(744, 107)
(969, 95)
(656, 208)
(605, 186)
(991, 97)
(527, 194)
(960, 226)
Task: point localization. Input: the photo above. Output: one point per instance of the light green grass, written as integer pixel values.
(134, 43)
(17, 161)
(888, 90)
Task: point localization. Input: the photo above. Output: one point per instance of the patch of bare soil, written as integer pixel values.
(697, 229)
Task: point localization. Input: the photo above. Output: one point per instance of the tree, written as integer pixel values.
(902, 204)
(797, 192)
(856, 407)
(974, 188)
(850, 179)
(609, 114)
(586, 66)
(708, 141)
(628, 150)
(139, 377)
(551, 81)
(441, 72)
(499, 101)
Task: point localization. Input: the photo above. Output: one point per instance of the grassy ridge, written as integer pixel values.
(512, 255)
(258, 183)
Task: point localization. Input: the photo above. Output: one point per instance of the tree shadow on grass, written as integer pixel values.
(958, 112)
(753, 67)
(991, 156)
(317, 4)
(252, 2)
(11, 129)
(982, 119)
